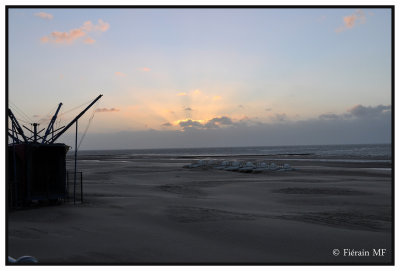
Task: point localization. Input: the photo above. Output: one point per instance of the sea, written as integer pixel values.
(356, 151)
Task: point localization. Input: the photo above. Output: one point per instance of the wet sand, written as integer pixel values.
(151, 210)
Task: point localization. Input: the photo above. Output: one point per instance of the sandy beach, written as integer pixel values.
(152, 210)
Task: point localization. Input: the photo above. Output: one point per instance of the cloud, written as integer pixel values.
(44, 39)
(120, 74)
(322, 18)
(190, 123)
(181, 94)
(44, 15)
(102, 26)
(359, 111)
(329, 116)
(369, 111)
(210, 124)
(72, 35)
(167, 124)
(89, 40)
(223, 131)
(358, 17)
(279, 117)
(310, 132)
(145, 69)
(217, 122)
(107, 110)
(64, 37)
(216, 98)
(196, 92)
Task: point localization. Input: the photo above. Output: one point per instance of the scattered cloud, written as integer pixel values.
(329, 116)
(322, 18)
(196, 92)
(120, 74)
(355, 126)
(64, 37)
(72, 35)
(358, 17)
(44, 39)
(369, 111)
(190, 123)
(102, 26)
(89, 40)
(44, 15)
(167, 124)
(107, 110)
(216, 98)
(213, 123)
(359, 111)
(217, 122)
(145, 69)
(279, 117)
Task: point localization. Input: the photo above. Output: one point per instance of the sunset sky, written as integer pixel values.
(205, 77)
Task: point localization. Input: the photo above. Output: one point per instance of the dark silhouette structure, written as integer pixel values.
(37, 165)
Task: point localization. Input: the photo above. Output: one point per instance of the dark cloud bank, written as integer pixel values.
(360, 125)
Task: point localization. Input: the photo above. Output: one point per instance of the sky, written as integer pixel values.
(204, 77)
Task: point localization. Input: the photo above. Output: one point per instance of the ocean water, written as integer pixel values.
(359, 151)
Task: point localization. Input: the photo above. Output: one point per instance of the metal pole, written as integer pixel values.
(13, 186)
(76, 153)
(67, 188)
(35, 132)
(81, 189)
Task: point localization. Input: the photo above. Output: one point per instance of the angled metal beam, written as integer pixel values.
(16, 124)
(49, 140)
(32, 136)
(51, 123)
(27, 129)
(75, 119)
(13, 137)
(40, 137)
